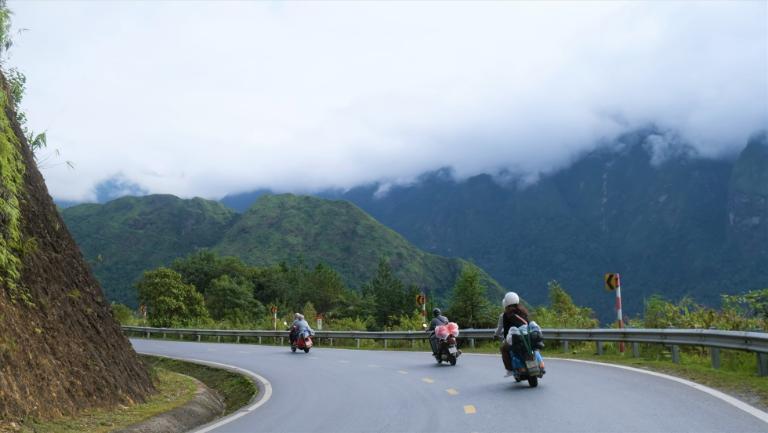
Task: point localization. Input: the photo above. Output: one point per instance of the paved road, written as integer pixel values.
(336, 390)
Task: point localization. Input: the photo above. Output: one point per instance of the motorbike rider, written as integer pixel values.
(515, 315)
(299, 327)
(438, 320)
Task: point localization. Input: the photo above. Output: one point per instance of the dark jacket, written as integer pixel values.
(437, 321)
(517, 317)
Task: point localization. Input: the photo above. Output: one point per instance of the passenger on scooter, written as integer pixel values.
(438, 320)
(299, 327)
(514, 315)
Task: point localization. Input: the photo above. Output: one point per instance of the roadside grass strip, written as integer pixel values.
(263, 395)
(173, 390)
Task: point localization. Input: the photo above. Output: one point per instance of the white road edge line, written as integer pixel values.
(262, 397)
(757, 413)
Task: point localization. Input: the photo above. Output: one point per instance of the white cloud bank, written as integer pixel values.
(195, 98)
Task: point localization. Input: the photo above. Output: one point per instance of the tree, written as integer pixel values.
(122, 313)
(468, 305)
(170, 302)
(326, 289)
(202, 267)
(390, 298)
(562, 312)
(232, 299)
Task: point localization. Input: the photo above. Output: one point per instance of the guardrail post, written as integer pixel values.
(472, 343)
(762, 364)
(331, 341)
(163, 335)
(218, 338)
(413, 344)
(636, 349)
(238, 339)
(281, 340)
(358, 342)
(385, 343)
(259, 339)
(599, 345)
(565, 346)
(198, 337)
(715, 355)
(675, 354)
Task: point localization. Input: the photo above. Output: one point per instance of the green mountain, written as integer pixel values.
(125, 237)
(646, 206)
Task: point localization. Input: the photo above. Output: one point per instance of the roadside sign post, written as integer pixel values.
(319, 319)
(274, 316)
(613, 283)
(421, 300)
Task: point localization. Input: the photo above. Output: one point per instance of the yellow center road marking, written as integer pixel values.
(469, 409)
(427, 380)
(402, 371)
(452, 391)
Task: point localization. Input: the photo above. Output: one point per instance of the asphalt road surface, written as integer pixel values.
(338, 391)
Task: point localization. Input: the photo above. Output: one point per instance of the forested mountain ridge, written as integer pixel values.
(128, 236)
(646, 205)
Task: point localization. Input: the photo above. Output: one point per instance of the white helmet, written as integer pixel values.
(510, 298)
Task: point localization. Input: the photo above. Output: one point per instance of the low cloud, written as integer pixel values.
(204, 99)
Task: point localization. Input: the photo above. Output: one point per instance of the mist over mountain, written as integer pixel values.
(646, 205)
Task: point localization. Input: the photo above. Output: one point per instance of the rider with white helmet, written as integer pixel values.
(514, 315)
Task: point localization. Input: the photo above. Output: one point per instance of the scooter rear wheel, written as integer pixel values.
(293, 348)
(533, 381)
(452, 360)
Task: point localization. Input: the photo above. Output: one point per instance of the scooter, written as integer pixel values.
(447, 349)
(301, 342)
(527, 363)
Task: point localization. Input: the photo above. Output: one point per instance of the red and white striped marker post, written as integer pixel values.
(618, 309)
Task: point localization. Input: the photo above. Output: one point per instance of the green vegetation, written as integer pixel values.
(173, 390)
(130, 235)
(299, 249)
(468, 304)
(207, 290)
(170, 302)
(682, 226)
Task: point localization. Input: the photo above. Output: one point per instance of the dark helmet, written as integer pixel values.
(436, 312)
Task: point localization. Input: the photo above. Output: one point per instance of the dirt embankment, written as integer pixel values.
(60, 349)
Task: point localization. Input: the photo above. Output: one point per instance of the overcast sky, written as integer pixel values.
(204, 99)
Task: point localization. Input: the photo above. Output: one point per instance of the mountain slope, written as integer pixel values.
(127, 236)
(646, 206)
(283, 227)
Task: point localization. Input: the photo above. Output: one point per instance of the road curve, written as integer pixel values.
(336, 390)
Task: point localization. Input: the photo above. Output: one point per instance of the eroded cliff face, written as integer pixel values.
(60, 349)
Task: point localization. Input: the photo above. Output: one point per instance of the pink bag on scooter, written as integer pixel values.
(442, 332)
(453, 328)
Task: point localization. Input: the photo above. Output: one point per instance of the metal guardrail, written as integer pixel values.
(715, 340)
